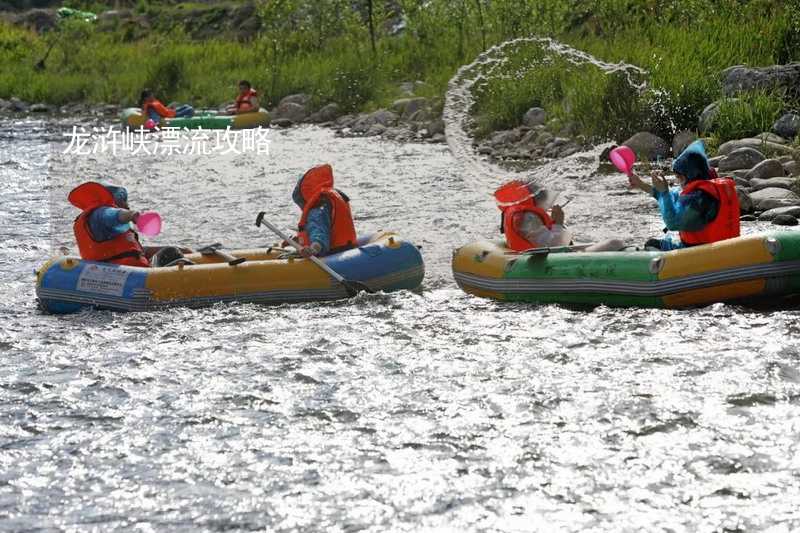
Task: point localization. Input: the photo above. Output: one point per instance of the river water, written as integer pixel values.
(430, 411)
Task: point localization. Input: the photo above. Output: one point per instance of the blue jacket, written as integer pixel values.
(104, 224)
(318, 224)
(684, 212)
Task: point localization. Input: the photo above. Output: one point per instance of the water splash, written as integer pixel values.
(481, 173)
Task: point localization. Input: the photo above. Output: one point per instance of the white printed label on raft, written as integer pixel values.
(103, 279)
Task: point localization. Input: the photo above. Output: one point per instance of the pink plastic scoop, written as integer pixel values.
(623, 158)
(149, 223)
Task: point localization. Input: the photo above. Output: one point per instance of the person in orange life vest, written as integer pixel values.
(246, 101)
(326, 223)
(704, 209)
(154, 110)
(103, 229)
(526, 223)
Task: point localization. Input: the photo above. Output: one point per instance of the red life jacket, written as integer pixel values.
(726, 224)
(315, 185)
(514, 198)
(245, 99)
(161, 109)
(124, 249)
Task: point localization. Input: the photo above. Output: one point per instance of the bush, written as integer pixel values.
(747, 115)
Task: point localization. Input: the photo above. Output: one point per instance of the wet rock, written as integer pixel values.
(40, 108)
(769, 168)
(768, 148)
(781, 183)
(18, 106)
(710, 113)
(485, 150)
(748, 218)
(327, 113)
(375, 130)
(769, 215)
(745, 201)
(788, 126)
(421, 115)
(281, 122)
(792, 168)
(438, 138)
(383, 117)
(535, 116)
(740, 78)
(784, 220)
(290, 111)
(745, 157)
(435, 127)
(649, 146)
(741, 182)
(714, 161)
(110, 109)
(773, 197)
(681, 140)
(405, 107)
(504, 137)
(345, 121)
(741, 173)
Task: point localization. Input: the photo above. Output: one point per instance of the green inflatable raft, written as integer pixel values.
(132, 118)
(754, 269)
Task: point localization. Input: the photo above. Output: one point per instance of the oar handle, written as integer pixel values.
(299, 247)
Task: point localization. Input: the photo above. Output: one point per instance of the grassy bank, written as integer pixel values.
(326, 49)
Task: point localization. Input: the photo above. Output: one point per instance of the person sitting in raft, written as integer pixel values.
(326, 223)
(526, 223)
(246, 101)
(103, 229)
(154, 110)
(704, 209)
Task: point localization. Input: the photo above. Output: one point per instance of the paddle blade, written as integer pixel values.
(623, 158)
(149, 223)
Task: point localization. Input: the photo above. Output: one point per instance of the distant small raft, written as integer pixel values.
(755, 269)
(383, 262)
(133, 118)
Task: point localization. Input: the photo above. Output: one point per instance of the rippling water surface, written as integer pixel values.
(402, 412)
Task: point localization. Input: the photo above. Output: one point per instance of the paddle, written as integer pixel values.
(545, 250)
(214, 249)
(352, 287)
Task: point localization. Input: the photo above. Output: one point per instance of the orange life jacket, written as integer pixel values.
(317, 184)
(726, 224)
(159, 108)
(124, 249)
(514, 198)
(243, 99)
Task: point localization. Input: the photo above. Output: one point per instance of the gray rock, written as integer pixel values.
(300, 99)
(772, 213)
(40, 108)
(438, 138)
(327, 113)
(741, 173)
(782, 183)
(436, 127)
(649, 146)
(771, 138)
(421, 115)
(291, 111)
(405, 107)
(17, 105)
(768, 148)
(504, 137)
(709, 115)
(792, 168)
(745, 201)
(741, 182)
(375, 130)
(773, 197)
(714, 161)
(785, 220)
(747, 218)
(741, 158)
(788, 126)
(740, 78)
(535, 116)
(345, 121)
(681, 140)
(281, 122)
(769, 168)
(383, 117)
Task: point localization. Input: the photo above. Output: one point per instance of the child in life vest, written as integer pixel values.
(526, 223)
(703, 209)
(246, 100)
(326, 223)
(154, 110)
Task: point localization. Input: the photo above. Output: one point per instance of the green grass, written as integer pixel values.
(322, 48)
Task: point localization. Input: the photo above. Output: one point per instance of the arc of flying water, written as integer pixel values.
(459, 101)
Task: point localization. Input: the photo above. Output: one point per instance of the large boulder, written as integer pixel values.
(769, 168)
(535, 116)
(788, 126)
(770, 137)
(767, 216)
(785, 220)
(740, 78)
(299, 99)
(327, 113)
(773, 197)
(405, 107)
(382, 117)
(782, 183)
(792, 168)
(765, 147)
(290, 111)
(648, 146)
(741, 158)
(505, 137)
(17, 105)
(681, 140)
(745, 202)
(40, 108)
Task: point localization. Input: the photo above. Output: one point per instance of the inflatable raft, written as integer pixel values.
(383, 262)
(133, 118)
(752, 270)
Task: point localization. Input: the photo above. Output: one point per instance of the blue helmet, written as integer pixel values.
(693, 162)
(120, 194)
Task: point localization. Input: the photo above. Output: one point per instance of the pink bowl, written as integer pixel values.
(149, 223)
(623, 158)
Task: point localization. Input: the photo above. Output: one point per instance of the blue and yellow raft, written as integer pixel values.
(383, 262)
